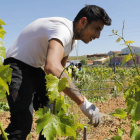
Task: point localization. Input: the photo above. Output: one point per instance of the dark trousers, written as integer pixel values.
(27, 92)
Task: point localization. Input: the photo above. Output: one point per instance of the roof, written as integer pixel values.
(100, 59)
(89, 61)
(116, 51)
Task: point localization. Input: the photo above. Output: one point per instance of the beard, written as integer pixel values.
(80, 34)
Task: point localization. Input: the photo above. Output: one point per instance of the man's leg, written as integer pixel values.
(22, 89)
(41, 99)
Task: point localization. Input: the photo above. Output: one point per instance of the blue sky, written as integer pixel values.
(17, 14)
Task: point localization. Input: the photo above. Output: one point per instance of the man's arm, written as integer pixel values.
(54, 66)
(64, 61)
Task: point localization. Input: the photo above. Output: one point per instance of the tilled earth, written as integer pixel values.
(106, 129)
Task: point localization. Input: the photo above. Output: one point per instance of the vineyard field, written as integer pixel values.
(106, 129)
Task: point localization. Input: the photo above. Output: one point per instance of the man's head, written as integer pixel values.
(89, 23)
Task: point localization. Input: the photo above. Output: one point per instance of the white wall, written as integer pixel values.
(127, 51)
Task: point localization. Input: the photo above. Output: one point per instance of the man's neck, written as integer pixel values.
(76, 34)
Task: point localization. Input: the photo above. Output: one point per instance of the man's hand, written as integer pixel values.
(91, 111)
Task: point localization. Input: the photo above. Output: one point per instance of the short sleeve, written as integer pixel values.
(60, 32)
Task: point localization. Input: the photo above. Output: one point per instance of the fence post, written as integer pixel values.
(99, 87)
(115, 88)
(85, 132)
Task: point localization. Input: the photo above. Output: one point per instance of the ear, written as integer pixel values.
(83, 21)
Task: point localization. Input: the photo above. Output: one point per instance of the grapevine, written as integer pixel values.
(55, 123)
(5, 73)
(131, 94)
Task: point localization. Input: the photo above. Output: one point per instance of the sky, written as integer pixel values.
(17, 14)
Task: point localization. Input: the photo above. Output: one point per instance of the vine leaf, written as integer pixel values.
(54, 86)
(59, 104)
(2, 83)
(1, 63)
(2, 22)
(63, 83)
(120, 113)
(135, 113)
(2, 93)
(51, 125)
(2, 51)
(129, 42)
(130, 105)
(52, 82)
(2, 32)
(133, 108)
(126, 58)
(134, 133)
(118, 40)
(6, 73)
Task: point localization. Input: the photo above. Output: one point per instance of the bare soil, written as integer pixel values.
(106, 129)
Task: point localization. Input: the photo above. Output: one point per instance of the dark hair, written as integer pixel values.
(93, 13)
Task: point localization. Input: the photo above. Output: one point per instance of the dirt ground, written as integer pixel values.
(106, 129)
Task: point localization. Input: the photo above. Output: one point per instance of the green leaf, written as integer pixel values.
(52, 87)
(2, 83)
(50, 125)
(117, 138)
(41, 111)
(126, 58)
(120, 113)
(53, 95)
(120, 132)
(118, 40)
(2, 22)
(63, 83)
(116, 32)
(135, 113)
(70, 131)
(1, 63)
(2, 94)
(128, 42)
(60, 104)
(113, 31)
(1, 43)
(135, 133)
(6, 73)
(133, 108)
(2, 32)
(131, 104)
(2, 51)
(128, 91)
(52, 82)
(4, 135)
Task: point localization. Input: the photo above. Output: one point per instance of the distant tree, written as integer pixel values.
(83, 61)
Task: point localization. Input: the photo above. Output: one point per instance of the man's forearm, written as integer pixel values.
(72, 91)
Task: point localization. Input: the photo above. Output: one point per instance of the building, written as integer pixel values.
(128, 63)
(114, 52)
(97, 55)
(136, 49)
(89, 62)
(99, 61)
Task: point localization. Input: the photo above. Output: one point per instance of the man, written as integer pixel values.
(79, 66)
(47, 42)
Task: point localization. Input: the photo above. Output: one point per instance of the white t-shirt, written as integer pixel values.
(31, 45)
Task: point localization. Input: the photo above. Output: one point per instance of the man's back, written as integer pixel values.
(31, 45)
